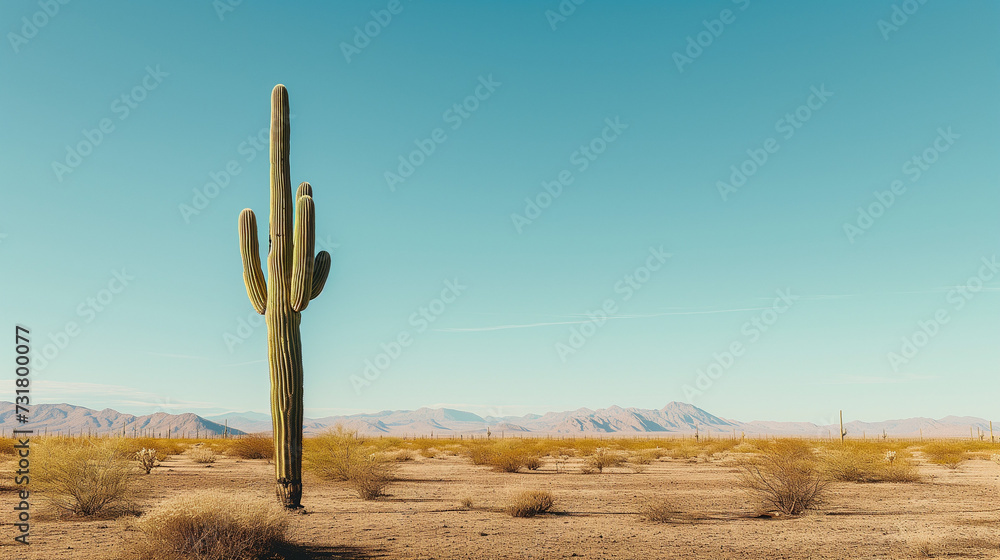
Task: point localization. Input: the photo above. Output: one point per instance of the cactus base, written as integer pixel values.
(289, 494)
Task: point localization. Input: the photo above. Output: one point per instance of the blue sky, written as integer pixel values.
(644, 126)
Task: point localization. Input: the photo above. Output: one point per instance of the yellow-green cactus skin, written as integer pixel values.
(294, 277)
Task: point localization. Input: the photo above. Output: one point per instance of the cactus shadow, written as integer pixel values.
(319, 552)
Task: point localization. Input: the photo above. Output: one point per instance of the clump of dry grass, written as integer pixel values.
(784, 476)
(251, 446)
(371, 477)
(508, 457)
(203, 455)
(210, 525)
(430, 452)
(7, 446)
(505, 455)
(84, 477)
(948, 453)
(400, 455)
(336, 453)
(466, 502)
(163, 447)
(479, 453)
(603, 458)
(646, 456)
(530, 504)
(341, 454)
(863, 463)
(658, 511)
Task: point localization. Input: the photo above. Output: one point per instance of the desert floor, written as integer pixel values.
(952, 514)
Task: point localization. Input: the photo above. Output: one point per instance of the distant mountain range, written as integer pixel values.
(69, 419)
(675, 418)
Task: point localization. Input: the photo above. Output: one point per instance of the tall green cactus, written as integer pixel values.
(293, 278)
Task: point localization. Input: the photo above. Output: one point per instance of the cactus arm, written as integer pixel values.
(305, 189)
(321, 268)
(302, 263)
(253, 276)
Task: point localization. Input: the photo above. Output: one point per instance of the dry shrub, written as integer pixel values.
(530, 504)
(561, 452)
(479, 453)
(371, 476)
(947, 453)
(746, 446)
(716, 446)
(336, 453)
(164, 447)
(685, 450)
(603, 459)
(862, 463)
(202, 455)
(341, 454)
(466, 502)
(210, 525)
(252, 446)
(400, 455)
(84, 477)
(658, 511)
(646, 456)
(505, 455)
(784, 476)
(7, 446)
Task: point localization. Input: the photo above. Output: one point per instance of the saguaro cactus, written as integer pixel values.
(293, 278)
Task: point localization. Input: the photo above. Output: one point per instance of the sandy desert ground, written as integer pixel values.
(951, 514)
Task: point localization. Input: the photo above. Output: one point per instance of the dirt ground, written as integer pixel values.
(952, 514)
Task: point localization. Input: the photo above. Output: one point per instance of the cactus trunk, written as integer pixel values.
(293, 278)
(284, 350)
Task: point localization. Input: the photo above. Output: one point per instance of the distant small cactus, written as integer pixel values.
(146, 458)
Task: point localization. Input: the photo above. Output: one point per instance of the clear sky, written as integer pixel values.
(646, 111)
